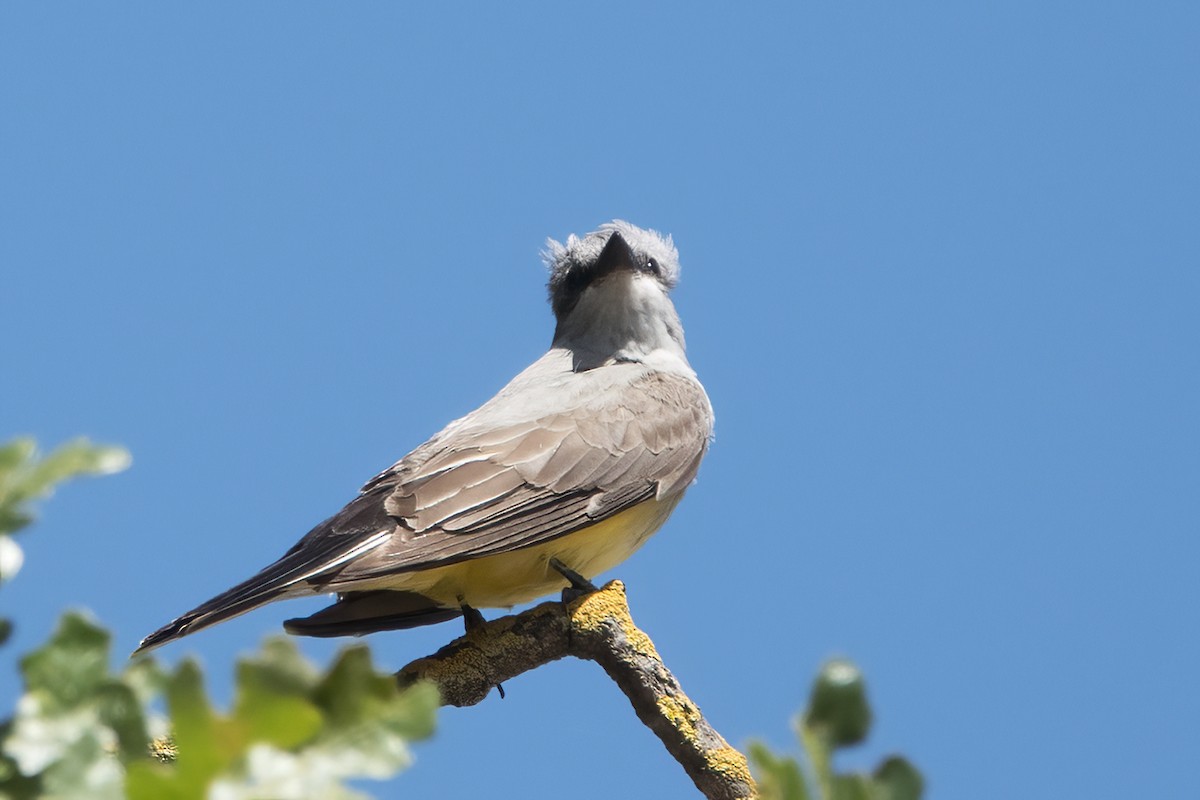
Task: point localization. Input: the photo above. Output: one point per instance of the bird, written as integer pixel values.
(561, 476)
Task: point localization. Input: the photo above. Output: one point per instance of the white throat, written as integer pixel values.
(624, 316)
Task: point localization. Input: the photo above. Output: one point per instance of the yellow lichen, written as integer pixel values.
(466, 665)
(729, 761)
(682, 714)
(592, 610)
(640, 641)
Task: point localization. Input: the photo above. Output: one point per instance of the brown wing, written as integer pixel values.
(481, 488)
(489, 491)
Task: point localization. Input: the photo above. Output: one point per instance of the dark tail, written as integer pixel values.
(270, 584)
(357, 528)
(357, 613)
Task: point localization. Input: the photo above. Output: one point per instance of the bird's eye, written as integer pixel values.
(652, 266)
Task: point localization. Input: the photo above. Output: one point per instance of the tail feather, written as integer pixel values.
(358, 613)
(276, 581)
(218, 609)
(358, 528)
(270, 584)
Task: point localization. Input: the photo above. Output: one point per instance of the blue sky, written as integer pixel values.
(941, 280)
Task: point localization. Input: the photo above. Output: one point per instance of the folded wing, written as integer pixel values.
(506, 487)
(489, 484)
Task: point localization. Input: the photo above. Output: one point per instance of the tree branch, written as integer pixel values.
(597, 627)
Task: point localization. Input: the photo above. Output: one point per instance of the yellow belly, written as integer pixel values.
(519, 576)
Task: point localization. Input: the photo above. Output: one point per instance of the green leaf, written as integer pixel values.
(70, 666)
(6, 629)
(67, 749)
(851, 787)
(279, 720)
(272, 700)
(779, 777)
(15, 786)
(14, 454)
(897, 779)
(413, 714)
(25, 477)
(202, 753)
(280, 667)
(369, 719)
(837, 706)
(352, 690)
(145, 678)
(293, 732)
(148, 781)
(353, 693)
(12, 520)
(819, 754)
(87, 769)
(74, 721)
(837, 714)
(76, 457)
(119, 708)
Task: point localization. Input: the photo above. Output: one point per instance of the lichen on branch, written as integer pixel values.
(598, 627)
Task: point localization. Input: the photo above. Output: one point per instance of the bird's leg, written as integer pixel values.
(579, 584)
(473, 620)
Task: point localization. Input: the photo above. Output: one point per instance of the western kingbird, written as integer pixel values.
(576, 462)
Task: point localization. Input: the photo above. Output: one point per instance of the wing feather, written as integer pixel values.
(531, 481)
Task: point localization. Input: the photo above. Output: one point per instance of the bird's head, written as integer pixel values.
(609, 291)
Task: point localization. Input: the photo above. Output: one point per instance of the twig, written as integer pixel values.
(597, 627)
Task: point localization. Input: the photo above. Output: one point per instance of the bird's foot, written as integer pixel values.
(579, 584)
(473, 620)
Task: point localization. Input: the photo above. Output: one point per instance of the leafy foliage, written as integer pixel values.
(25, 476)
(294, 732)
(75, 722)
(838, 715)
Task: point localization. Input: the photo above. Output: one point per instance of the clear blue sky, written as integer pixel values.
(941, 279)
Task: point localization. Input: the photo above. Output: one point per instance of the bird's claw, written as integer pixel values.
(472, 621)
(579, 584)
